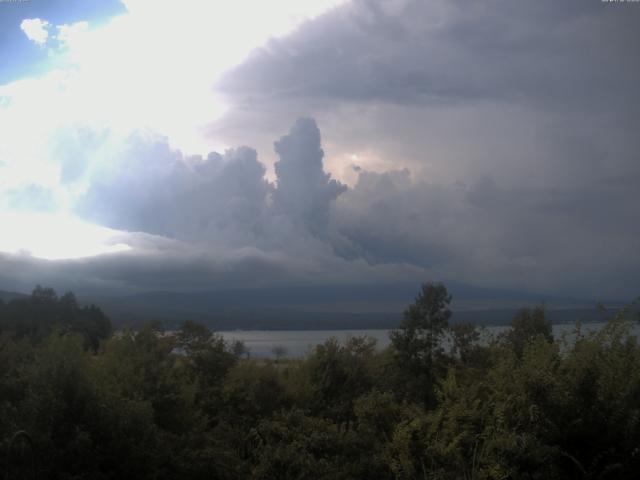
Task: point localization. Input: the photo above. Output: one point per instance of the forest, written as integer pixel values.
(443, 401)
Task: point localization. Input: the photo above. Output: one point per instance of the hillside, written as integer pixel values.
(8, 296)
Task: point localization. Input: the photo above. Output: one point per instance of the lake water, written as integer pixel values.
(298, 342)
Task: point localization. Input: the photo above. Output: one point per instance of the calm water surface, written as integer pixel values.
(299, 342)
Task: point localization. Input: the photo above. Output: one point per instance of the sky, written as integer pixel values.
(201, 145)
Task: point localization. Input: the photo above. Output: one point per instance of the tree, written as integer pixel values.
(193, 336)
(279, 351)
(207, 360)
(240, 349)
(417, 342)
(339, 374)
(526, 326)
(36, 317)
(44, 295)
(418, 339)
(465, 336)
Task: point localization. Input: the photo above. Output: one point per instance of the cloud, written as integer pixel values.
(221, 217)
(304, 190)
(152, 188)
(54, 237)
(495, 142)
(452, 90)
(36, 30)
(128, 70)
(156, 263)
(147, 186)
(433, 52)
(531, 238)
(31, 198)
(490, 143)
(70, 34)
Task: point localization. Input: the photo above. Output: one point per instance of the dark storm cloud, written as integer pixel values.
(223, 225)
(573, 53)
(530, 238)
(156, 263)
(306, 227)
(517, 120)
(458, 89)
(176, 269)
(304, 190)
(389, 227)
(488, 142)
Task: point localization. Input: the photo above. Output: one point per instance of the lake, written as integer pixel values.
(298, 342)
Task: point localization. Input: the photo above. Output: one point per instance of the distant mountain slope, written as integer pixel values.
(8, 296)
(329, 307)
(364, 298)
(325, 307)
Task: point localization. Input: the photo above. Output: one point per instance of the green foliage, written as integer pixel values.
(148, 404)
(338, 374)
(417, 342)
(37, 316)
(526, 326)
(465, 337)
(296, 446)
(253, 391)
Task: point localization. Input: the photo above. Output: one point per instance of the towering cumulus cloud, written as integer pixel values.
(215, 221)
(223, 198)
(304, 190)
(208, 222)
